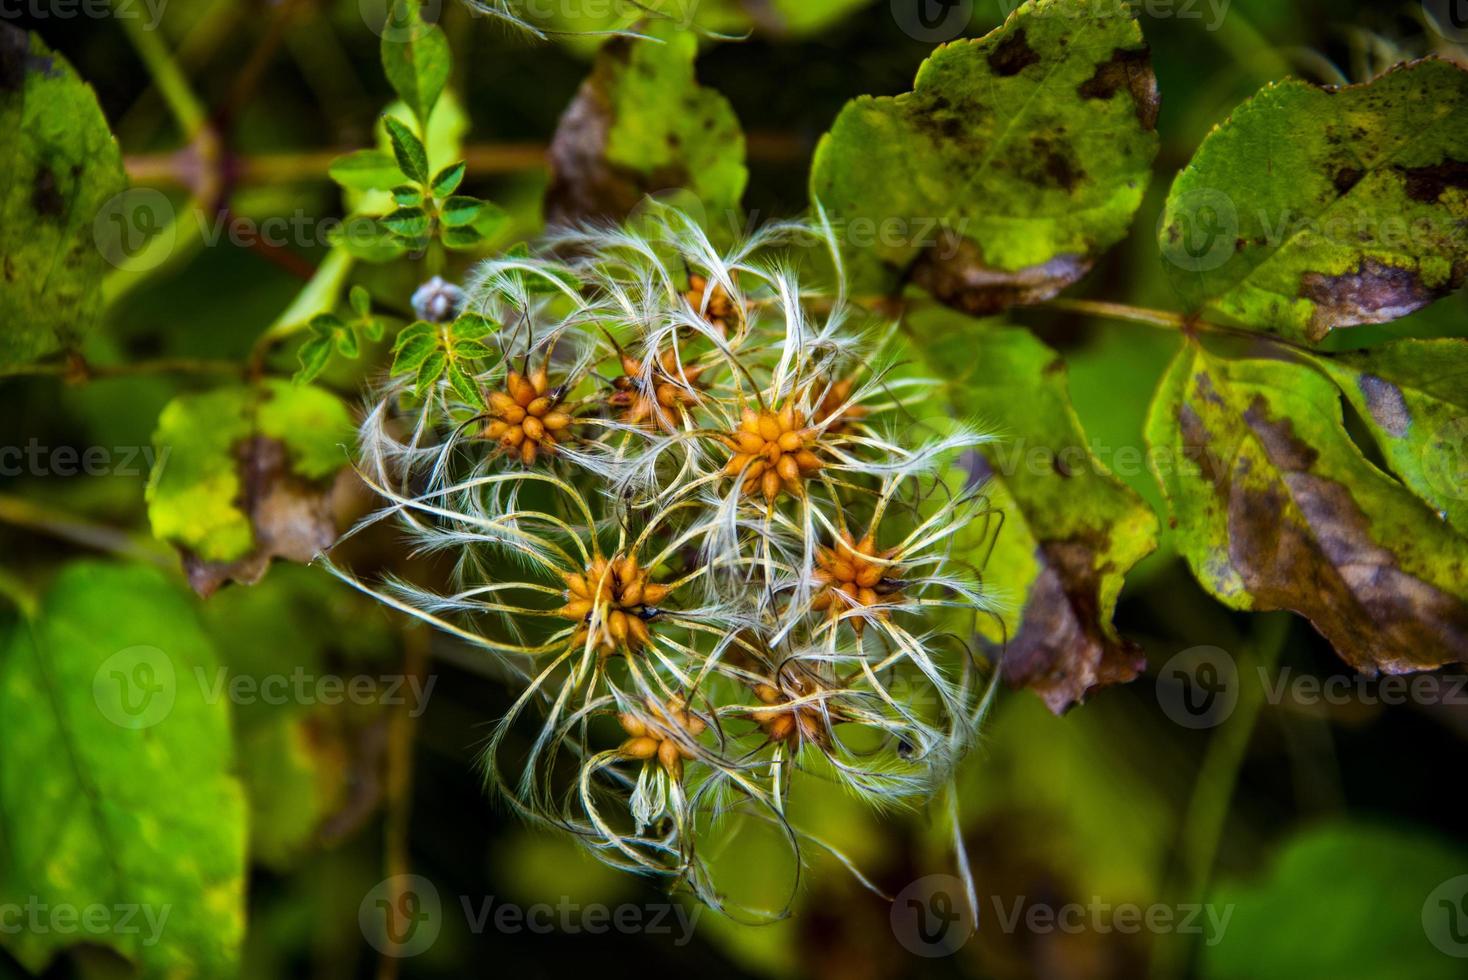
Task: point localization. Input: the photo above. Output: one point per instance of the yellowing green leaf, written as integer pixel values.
(1016, 160)
(1276, 508)
(59, 211)
(117, 789)
(642, 124)
(1071, 529)
(1313, 209)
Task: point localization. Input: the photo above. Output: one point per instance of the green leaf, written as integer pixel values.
(473, 326)
(491, 220)
(1071, 529)
(217, 456)
(365, 170)
(325, 324)
(408, 150)
(407, 195)
(457, 212)
(414, 346)
(1313, 209)
(1276, 508)
(430, 370)
(464, 384)
(413, 332)
(373, 328)
(1382, 918)
(314, 356)
(409, 223)
(347, 344)
(361, 301)
(642, 124)
(63, 216)
(1016, 161)
(112, 748)
(416, 59)
(462, 238)
(448, 180)
(365, 237)
(1413, 395)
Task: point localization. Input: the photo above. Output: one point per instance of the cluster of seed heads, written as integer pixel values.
(711, 521)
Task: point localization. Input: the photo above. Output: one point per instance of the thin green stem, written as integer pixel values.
(76, 370)
(32, 516)
(186, 107)
(1213, 791)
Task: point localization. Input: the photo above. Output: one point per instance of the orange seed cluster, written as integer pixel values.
(526, 420)
(783, 722)
(656, 741)
(664, 398)
(722, 311)
(625, 597)
(773, 452)
(854, 574)
(833, 406)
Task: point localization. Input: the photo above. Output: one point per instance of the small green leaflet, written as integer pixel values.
(1312, 209)
(416, 58)
(329, 332)
(1016, 161)
(431, 352)
(408, 150)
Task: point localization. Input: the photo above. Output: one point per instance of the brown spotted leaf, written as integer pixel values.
(1071, 529)
(58, 207)
(1312, 209)
(1276, 508)
(1017, 159)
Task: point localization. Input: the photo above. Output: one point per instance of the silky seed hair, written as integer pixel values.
(709, 526)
